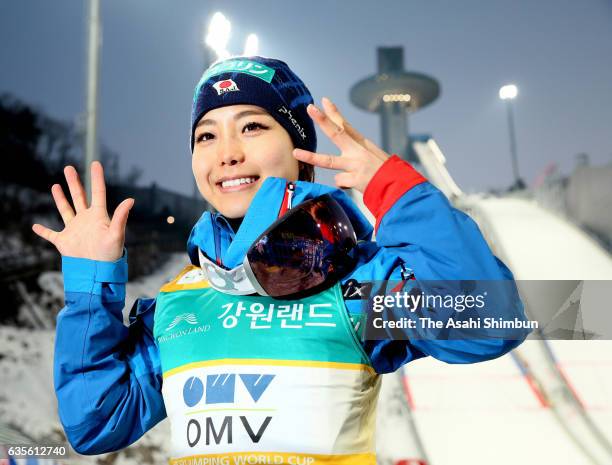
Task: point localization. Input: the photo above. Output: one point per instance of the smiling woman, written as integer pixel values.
(242, 376)
(236, 149)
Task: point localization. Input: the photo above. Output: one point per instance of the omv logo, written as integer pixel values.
(187, 317)
(221, 388)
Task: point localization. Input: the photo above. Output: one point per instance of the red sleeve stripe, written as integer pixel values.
(285, 202)
(392, 180)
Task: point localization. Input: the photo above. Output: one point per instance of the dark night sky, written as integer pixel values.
(558, 52)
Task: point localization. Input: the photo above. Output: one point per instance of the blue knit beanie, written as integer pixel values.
(264, 82)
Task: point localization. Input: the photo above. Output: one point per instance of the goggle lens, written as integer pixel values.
(308, 247)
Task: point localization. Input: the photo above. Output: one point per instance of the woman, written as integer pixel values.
(242, 375)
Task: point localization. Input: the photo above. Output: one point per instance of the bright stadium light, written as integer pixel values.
(252, 45)
(219, 34)
(508, 92)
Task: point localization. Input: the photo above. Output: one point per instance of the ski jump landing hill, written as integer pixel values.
(548, 401)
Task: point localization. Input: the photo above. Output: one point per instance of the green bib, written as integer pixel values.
(284, 380)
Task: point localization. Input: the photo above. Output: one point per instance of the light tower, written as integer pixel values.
(93, 69)
(509, 93)
(393, 93)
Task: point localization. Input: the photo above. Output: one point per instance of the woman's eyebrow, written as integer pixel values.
(237, 116)
(244, 113)
(205, 122)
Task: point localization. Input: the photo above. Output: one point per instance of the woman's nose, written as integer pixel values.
(230, 152)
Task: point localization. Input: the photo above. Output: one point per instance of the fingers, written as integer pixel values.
(64, 208)
(345, 180)
(98, 186)
(334, 113)
(76, 189)
(45, 232)
(375, 149)
(119, 220)
(335, 132)
(331, 162)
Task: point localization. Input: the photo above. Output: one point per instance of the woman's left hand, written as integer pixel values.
(359, 157)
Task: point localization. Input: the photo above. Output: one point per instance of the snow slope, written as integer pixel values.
(28, 407)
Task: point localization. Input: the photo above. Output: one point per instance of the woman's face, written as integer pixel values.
(236, 148)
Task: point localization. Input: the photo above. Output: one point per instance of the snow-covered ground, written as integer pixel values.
(28, 408)
(491, 413)
(545, 403)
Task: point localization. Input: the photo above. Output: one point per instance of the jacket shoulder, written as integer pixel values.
(190, 277)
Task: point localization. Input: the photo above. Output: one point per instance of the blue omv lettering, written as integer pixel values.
(193, 391)
(256, 384)
(221, 388)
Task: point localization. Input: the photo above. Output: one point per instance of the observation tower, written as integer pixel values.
(393, 93)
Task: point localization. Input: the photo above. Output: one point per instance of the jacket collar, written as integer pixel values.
(213, 234)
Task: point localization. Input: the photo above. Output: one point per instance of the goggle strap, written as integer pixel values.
(214, 273)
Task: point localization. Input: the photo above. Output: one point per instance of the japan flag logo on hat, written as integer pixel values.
(227, 85)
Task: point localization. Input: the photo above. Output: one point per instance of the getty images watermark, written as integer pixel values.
(484, 309)
(415, 301)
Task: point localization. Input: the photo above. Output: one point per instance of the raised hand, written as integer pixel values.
(359, 158)
(88, 231)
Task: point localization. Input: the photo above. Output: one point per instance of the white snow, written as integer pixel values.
(28, 406)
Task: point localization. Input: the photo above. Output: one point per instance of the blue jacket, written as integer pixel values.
(108, 376)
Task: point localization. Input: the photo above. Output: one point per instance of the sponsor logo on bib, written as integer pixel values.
(187, 317)
(204, 426)
(183, 325)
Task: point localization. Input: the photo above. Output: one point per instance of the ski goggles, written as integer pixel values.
(309, 248)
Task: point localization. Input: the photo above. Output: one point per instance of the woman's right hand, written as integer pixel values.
(88, 231)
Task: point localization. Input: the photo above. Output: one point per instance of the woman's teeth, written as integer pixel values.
(237, 182)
